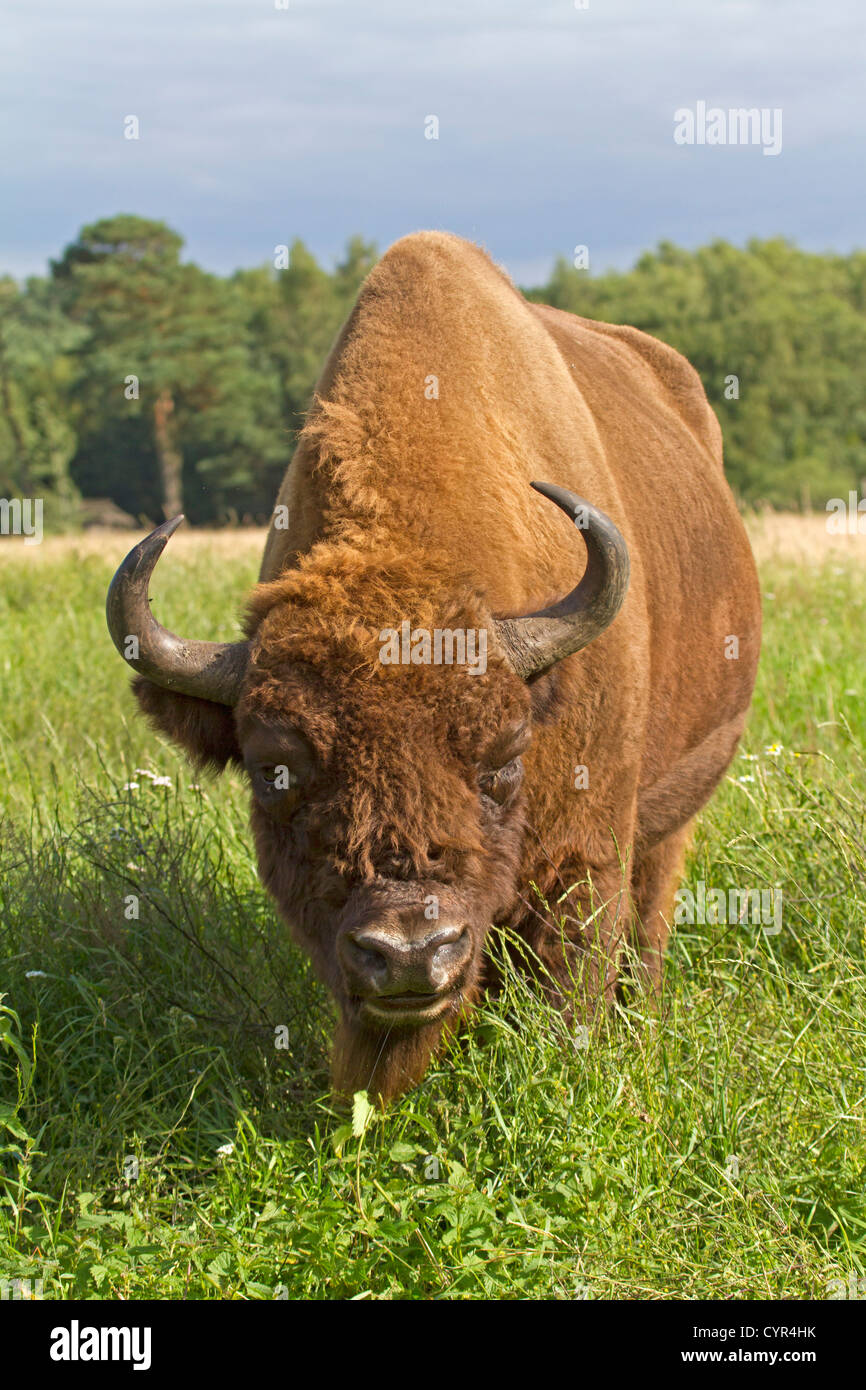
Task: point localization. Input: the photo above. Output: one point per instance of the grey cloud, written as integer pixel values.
(555, 123)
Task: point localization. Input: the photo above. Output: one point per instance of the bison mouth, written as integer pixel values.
(405, 1008)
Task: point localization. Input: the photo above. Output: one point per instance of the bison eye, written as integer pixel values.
(498, 786)
(278, 777)
(275, 783)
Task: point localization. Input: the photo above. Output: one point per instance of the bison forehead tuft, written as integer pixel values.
(367, 640)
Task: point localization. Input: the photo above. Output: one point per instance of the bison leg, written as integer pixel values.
(576, 946)
(657, 874)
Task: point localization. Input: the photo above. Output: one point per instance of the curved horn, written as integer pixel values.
(538, 641)
(210, 670)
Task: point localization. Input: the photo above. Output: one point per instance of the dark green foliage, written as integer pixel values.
(226, 366)
(37, 439)
(790, 326)
(168, 348)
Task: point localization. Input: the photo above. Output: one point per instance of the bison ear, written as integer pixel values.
(204, 729)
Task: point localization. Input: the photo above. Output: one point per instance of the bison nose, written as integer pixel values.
(383, 962)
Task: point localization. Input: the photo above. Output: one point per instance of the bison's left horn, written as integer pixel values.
(210, 670)
(538, 641)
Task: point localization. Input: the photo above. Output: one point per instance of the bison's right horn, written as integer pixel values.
(210, 670)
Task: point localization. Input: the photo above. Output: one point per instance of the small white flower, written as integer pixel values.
(225, 1150)
(35, 975)
(750, 757)
(161, 781)
(136, 868)
(130, 786)
(145, 772)
(745, 779)
(774, 750)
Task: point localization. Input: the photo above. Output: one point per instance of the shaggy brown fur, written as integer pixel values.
(403, 506)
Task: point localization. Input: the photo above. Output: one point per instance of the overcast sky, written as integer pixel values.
(556, 124)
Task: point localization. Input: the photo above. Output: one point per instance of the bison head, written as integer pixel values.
(386, 771)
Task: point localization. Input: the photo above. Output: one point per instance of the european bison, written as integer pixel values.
(448, 691)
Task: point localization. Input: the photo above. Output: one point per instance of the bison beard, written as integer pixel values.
(383, 1062)
(381, 792)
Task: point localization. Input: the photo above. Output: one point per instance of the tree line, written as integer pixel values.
(129, 374)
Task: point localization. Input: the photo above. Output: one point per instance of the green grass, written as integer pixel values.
(714, 1151)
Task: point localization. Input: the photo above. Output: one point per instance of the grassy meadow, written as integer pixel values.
(156, 1143)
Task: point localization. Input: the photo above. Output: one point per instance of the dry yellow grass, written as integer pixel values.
(114, 544)
(802, 540)
(775, 535)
